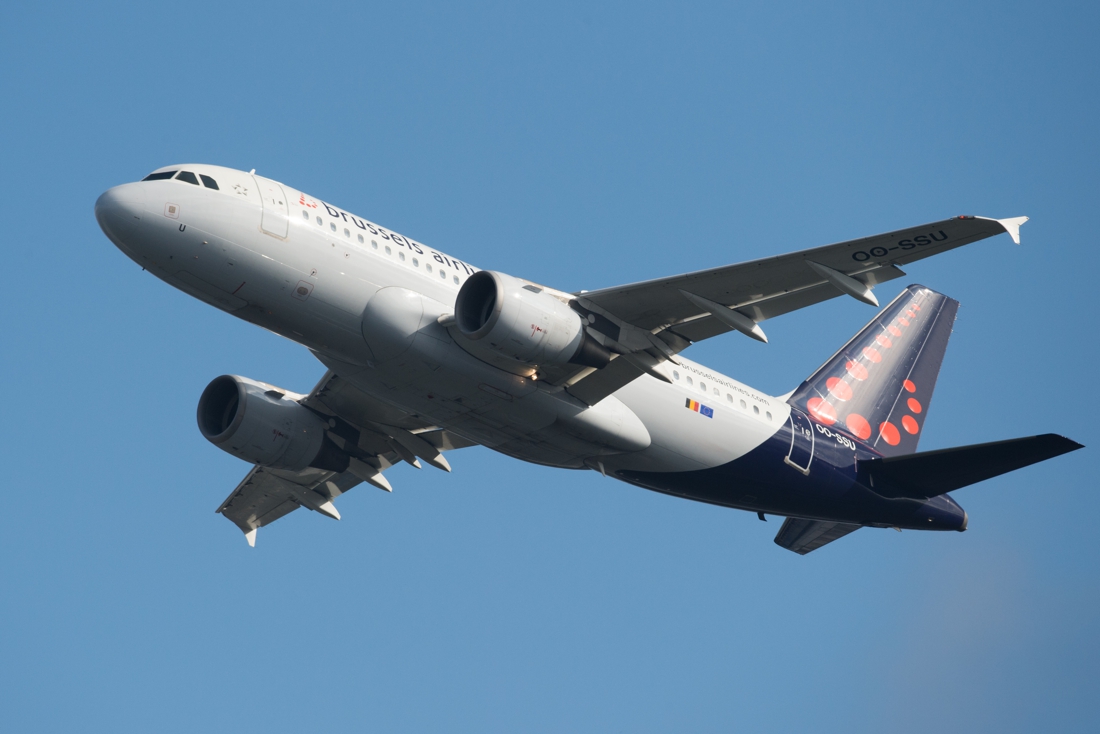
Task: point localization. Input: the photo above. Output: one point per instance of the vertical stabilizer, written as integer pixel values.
(878, 387)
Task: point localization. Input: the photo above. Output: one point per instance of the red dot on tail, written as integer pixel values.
(909, 424)
(914, 405)
(822, 411)
(838, 387)
(909, 386)
(856, 370)
(872, 354)
(858, 425)
(894, 330)
(884, 341)
(912, 315)
(903, 322)
(889, 433)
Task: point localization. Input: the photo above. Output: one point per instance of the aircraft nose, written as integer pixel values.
(117, 210)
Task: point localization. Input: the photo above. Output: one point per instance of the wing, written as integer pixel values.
(803, 536)
(374, 435)
(653, 320)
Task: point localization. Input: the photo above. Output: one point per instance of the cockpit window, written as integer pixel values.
(188, 177)
(159, 176)
(208, 182)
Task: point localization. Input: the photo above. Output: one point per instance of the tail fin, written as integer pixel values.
(879, 385)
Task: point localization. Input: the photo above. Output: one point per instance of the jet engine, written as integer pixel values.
(522, 322)
(265, 425)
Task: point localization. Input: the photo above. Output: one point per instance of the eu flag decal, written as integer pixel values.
(699, 408)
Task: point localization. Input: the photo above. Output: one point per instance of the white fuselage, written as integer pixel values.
(366, 301)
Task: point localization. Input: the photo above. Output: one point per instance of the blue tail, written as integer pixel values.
(878, 387)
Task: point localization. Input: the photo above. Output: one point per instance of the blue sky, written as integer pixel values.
(581, 146)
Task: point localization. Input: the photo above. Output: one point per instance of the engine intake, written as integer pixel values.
(265, 425)
(521, 322)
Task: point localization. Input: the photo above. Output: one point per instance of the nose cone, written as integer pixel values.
(118, 210)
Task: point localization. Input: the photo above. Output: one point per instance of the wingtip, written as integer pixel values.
(250, 536)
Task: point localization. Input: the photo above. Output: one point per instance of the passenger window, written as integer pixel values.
(332, 226)
(319, 222)
(716, 392)
(769, 414)
(388, 250)
(427, 267)
(688, 379)
(159, 176)
(416, 263)
(188, 177)
(756, 409)
(675, 375)
(729, 398)
(305, 215)
(443, 274)
(743, 406)
(347, 233)
(702, 386)
(208, 182)
(361, 240)
(401, 256)
(456, 280)
(374, 244)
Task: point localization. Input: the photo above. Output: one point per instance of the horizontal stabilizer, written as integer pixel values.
(803, 536)
(932, 473)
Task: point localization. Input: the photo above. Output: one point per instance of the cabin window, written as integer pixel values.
(427, 267)
(305, 215)
(188, 177)
(456, 280)
(361, 240)
(743, 406)
(332, 226)
(319, 222)
(443, 274)
(208, 182)
(675, 375)
(688, 379)
(769, 414)
(756, 409)
(702, 386)
(401, 256)
(716, 392)
(374, 244)
(347, 233)
(388, 250)
(729, 398)
(416, 263)
(159, 176)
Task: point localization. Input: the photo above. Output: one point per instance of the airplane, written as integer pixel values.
(427, 354)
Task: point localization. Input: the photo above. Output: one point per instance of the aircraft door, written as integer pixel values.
(802, 442)
(274, 219)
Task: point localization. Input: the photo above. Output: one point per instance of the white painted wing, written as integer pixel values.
(766, 288)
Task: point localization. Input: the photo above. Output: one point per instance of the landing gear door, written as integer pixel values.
(274, 220)
(802, 442)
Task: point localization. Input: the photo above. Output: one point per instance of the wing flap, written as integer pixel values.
(804, 536)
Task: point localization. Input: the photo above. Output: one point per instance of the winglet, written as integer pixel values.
(250, 536)
(1011, 225)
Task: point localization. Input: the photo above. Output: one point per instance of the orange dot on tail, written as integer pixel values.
(858, 425)
(909, 424)
(884, 341)
(889, 433)
(872, 354)
(822, 411)
(894, 330)
(914, 405)
(838, 387)
(909, 386)
(856, 370)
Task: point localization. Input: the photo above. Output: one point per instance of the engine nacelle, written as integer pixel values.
(265, 425)
(523, 323)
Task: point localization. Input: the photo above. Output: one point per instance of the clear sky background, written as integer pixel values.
(580, 145)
